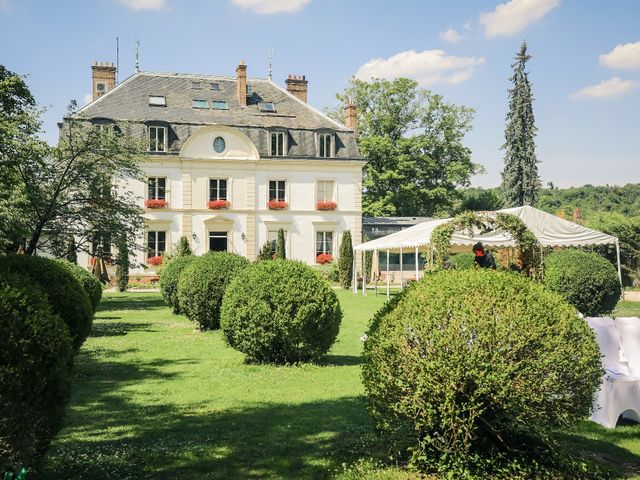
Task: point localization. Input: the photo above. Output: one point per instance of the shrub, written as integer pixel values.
(35, 362)
(328, 271)
(586, 280)
(467, 371)
(89, 282)
(122, 265)
(280, 247)
(266, 252)
(280, 312)
(462, 261)
(203, 283)
(183, 247)
(66, 295)
(345, 260)
(170, 277)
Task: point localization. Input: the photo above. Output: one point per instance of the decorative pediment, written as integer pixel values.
(219, 143)
(218, 220)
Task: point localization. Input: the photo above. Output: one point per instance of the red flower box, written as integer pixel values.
(277, 205)
(219, 204)
(326, 205)
(155, 203)
(155, 260)
(324, 258)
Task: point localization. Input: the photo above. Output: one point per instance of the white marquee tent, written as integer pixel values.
(551, 231)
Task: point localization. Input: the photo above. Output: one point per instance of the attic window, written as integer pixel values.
(196, 85)
(267, 107)
(219, 105)
(157, 101)
(215, 86)
(200, 103)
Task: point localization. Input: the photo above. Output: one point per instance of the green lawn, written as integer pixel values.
(155, 398)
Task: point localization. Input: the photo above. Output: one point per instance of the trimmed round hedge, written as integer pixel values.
(280, 312)
(586, 280)
(89, 282)
(467, 370)
(203, 283)
(35, 362)
(169, 278)
(66, 295)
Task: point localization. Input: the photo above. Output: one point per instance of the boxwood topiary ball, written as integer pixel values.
(586, 280)
(35, 361)
(169, 278)
(203, 283)
(89, 282)
(280, 312)
(473, 367)
(65, 294)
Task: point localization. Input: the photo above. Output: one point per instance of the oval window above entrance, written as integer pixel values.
(219, 144)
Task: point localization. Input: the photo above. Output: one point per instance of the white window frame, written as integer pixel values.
(286, 189)
(324, 242)
(155, 194)
(217, 179)
(227, 234)
(285, 143)
(333, 190)
(157, 101)
(156, 252)
(156, 148)
(332, 141)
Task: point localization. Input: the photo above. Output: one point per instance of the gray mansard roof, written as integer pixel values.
(129, 101)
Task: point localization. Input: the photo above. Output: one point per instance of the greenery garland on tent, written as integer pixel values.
(526, 242)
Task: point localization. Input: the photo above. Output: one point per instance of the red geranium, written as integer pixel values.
(155, 203)
(155, 260)
(324, 258)
(326, 205)
(219, 204)
(277, 205)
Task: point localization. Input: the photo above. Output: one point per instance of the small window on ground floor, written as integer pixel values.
(324, 243)
(156, 243)
(218, 241)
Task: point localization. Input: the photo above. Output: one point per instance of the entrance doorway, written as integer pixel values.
(218, 241)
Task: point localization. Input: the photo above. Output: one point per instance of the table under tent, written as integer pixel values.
(549, 230)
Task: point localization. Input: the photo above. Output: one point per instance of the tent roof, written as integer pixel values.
(551, 231)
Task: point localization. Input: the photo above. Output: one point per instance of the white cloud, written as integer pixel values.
(467, 25)
(514, 16)
(269, 7)
(427, 68)
(88, 98)
(625, 56)
(451, 36)
(138, 5)
(607, 88)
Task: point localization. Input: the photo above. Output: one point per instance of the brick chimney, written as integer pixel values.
(241, 83)
(297, 85)
(104, 78)
(351, 117)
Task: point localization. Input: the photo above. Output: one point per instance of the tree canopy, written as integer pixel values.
(413, 142)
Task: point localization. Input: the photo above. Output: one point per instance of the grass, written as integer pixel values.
(628, 309)
(156, 399)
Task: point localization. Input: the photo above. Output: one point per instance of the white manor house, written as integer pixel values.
(233, 160)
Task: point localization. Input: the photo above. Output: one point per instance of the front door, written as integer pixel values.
(217, 241)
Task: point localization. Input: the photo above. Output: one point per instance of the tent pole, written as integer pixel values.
(417, 264)
(618, 257)
(364, 273)
(354, 276)
(388, 284)
(375, 255)
(401, 272)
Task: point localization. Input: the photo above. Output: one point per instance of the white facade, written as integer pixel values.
(248, 222)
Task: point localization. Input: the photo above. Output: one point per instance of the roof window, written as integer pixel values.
(157, 101)
(215, 86)
(196, 85)
(200, 103)
(267, 107)
(219, 105)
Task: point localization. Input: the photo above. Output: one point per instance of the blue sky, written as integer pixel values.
(585, 68)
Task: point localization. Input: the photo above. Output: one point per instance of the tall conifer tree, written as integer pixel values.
(520, 179)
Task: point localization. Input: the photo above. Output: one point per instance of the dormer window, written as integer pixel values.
(196, 85)
(267, 107)
(219, 105)
(200, 103)
(325, 145)
(157, 138)
(278, 144)
(215, 86)
(157, 101)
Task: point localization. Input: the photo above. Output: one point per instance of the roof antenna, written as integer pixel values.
(270, 64)
(117, 58)
(137, 56)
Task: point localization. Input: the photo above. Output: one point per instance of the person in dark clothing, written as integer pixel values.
(483, 259)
